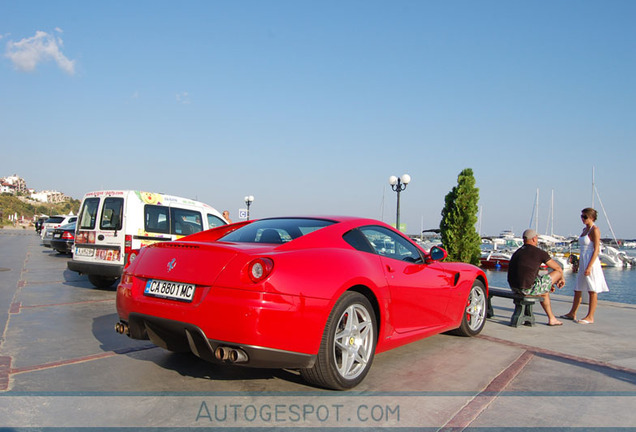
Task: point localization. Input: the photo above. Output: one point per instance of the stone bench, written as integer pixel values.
(523, 306)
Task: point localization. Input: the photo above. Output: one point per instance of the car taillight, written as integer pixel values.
(68, 235)
(260, 268)
(131, 257)
(127, 244)
(126, 279)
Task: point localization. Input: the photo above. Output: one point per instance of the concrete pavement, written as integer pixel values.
(62, 365)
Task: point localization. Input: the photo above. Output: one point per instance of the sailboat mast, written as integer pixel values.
(552, 214)
(382, 205)
(534, 217)
(549, 224)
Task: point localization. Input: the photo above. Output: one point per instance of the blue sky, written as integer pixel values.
(310, 106)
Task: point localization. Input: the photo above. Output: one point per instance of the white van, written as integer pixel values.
(113, 225)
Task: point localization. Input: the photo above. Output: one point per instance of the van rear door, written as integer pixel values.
(110, 240)
(99, 236)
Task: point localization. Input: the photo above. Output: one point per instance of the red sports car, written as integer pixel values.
(319, 294)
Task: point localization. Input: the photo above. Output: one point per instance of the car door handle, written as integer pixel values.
(390, 269)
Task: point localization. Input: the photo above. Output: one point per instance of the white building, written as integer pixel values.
(13, 184)
(49, 197)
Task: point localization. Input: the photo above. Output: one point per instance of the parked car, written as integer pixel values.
(63, 238)
(322, 295)
(54, 222)
(38, 224)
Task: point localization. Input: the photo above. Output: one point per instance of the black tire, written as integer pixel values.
(474, 316)
(102, 282)
(352, 320)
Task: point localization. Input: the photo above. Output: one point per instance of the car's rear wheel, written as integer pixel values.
(348, 344)
(474, 316)
(102, 282)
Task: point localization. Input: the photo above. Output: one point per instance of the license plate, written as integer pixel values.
(57, 235)
(85, 252)
(170, 290)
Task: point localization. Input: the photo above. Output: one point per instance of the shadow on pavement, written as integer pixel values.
(186, 364)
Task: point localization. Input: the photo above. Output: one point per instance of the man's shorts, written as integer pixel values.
(542, 285)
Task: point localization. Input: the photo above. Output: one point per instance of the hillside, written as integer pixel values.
(23, 207)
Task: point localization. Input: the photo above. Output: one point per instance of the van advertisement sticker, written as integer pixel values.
(150, 197)
(107, 254)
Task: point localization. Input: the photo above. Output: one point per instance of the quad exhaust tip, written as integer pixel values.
(122, 328)
(232, 355)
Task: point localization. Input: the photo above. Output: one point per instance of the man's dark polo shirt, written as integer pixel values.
(524, 266)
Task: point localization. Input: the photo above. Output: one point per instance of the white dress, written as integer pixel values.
(595, 282)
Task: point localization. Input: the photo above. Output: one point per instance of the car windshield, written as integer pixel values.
(275, 231)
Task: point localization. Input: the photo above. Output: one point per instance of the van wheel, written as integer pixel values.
(102, 282)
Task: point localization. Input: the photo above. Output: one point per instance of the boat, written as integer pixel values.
(497, 251)
(611, 257)
(495, 259)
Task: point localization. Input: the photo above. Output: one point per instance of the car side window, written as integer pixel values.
(215, 221)
(358, 240)
(391, 245)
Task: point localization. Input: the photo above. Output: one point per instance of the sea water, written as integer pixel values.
(621, 282)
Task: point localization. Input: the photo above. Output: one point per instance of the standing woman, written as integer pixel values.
(590, 276)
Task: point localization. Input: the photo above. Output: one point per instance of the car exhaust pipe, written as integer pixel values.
(122, 328)
(233, 355)
(222, 353)
(238, 356)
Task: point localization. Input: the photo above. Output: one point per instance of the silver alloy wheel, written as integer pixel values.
(476, 308)
(353, 341)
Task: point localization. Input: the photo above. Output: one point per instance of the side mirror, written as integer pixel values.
(437, 254)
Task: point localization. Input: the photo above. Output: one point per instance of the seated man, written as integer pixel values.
(523, 273)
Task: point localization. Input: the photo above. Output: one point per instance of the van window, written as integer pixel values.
(156, 219)
(88, 215)
(171, 220)
(215, 221)
(185, 222)
(111, 214)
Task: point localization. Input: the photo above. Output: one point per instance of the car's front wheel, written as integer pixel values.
(474, 316)
(348, 344)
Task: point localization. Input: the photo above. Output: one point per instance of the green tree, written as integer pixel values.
(459, 216)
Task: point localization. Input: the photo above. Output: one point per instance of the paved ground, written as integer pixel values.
(62, 365)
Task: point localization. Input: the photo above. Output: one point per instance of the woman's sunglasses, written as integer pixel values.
(584, 217)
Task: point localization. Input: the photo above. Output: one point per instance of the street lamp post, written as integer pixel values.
(398, 184)
(248, 201)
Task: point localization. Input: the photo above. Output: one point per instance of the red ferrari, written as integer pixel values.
(320, 294)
